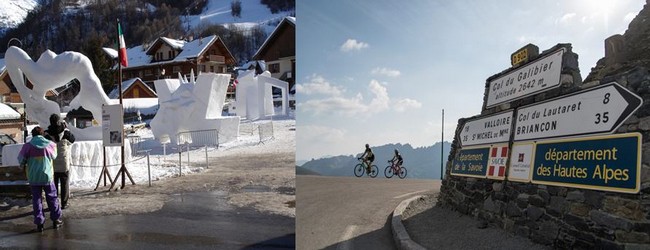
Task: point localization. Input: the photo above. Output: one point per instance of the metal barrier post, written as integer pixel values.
(180, 167)
(149, 168)
(188, 153)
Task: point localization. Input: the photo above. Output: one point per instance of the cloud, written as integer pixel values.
(352, 44)
(318, 85)
(567, 18)
(336, 103)
(345, 106)
(406, 104)
(628, 18)
(381, 101)
(315, 133)
(386, 72)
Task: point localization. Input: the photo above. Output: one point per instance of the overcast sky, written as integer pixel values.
(380, 71)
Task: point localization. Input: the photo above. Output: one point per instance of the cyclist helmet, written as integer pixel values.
(396, 152)
(367, 146)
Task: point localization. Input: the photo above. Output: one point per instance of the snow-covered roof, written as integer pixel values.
(8, 113)
(137, 56)
(195, 48)
(111, 52)
(175, 44)
(287, 19)
(115, 93)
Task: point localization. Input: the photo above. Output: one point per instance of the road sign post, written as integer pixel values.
(534, 77)
(597, 110)
(486, 130)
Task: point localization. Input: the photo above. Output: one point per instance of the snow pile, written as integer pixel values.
(254, 97)
(146, 106)
(52, 71)
(164, 161)
(193, 106)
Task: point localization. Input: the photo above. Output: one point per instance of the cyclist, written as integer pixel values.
(397, 159)
(368, 157)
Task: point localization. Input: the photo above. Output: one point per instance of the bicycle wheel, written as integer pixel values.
(374, 170)
(388, 172)
(402, 173)
(359, 170)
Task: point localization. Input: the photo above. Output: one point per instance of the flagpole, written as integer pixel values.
(119, 83)
(442, 145)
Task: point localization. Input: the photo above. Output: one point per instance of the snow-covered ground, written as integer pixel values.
(252, 14)
(13, 12)
(164, 161)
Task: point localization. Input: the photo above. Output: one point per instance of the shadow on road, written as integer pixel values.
(377, 239)
(440, 227)
(18, 216)
(284, 242)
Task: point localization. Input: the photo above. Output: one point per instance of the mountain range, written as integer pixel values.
(421, 163)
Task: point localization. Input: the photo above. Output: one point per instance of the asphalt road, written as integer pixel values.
(202, 220)
(350, 212)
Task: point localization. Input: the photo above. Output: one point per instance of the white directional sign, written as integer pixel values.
(532, 78)
(597, 110)
(491, 129)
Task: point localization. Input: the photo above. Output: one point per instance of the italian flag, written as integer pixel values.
(123, 59)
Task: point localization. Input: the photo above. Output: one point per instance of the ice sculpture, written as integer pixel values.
(254, 97)
(194, 105)
(52, 71)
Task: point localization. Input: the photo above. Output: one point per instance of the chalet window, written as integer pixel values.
(159, 56)
(202, 68)
(140, 74)
(136, 93)
(274, 68)
(211, 68)
(176, 69)
(147, 72)
(220, 69)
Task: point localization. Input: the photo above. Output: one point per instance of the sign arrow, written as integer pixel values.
(485, 130)
(600, 109)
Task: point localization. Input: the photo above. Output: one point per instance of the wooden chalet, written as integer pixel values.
(166, 58)
(279, 51)
(11, 124)
(133, 88)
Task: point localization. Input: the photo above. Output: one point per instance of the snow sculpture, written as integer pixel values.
(194, 105)
(254, 95)
(52, 71)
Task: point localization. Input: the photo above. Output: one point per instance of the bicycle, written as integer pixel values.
(394, 168)
(360, 168)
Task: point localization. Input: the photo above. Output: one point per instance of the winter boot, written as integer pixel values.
(39, 227)
(58, 223)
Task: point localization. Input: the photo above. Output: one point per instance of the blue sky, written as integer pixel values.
(380, 71)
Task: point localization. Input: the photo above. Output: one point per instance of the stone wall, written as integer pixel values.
(560, 216)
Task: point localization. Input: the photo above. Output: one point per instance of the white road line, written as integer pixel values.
(345, 243)
(408, 194)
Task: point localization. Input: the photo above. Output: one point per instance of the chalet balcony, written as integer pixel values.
(216, 59)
